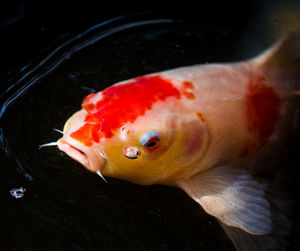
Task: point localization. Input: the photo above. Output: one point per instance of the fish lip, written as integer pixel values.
(74, 152)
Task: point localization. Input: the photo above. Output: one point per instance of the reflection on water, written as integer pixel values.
(64, 205)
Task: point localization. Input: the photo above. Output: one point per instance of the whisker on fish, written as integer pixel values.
(48, 144)
(100, 174)
(56, 130)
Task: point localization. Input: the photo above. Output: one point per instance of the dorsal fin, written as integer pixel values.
(281, 65)
(284, 53)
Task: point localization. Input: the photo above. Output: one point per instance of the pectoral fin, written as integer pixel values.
(248, 242)
(233, 197)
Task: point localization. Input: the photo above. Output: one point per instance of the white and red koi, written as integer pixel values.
(193, 127)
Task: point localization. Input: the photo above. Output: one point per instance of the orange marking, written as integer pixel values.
(200, 116)
(189, 95)
(88, 98)
(87, 134)
(187, 89)
(188, 85)
(88, 107)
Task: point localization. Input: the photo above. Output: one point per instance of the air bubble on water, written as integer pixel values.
(17, 192)
(28, 177)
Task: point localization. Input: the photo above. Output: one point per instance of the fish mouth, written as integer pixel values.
(74, 152)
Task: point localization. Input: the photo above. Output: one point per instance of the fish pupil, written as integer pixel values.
(150, 140)
(151, 144)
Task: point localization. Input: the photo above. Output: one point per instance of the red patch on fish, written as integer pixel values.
(87, 134)
(188, 88)
(121, 104)
(87, 104)
(88, 99)
(262, 109)
(188, 85)
(189, 95)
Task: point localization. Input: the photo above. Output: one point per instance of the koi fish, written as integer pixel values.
(196, 128)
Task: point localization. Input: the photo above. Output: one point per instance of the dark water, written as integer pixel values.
(64, 206)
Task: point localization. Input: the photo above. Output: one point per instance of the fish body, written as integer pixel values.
(194, 127)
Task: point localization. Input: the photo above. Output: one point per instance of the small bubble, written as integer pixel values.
(28, 177)
(17, 192)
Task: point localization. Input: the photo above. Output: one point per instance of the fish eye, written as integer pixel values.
(150, 140)
(131, 152)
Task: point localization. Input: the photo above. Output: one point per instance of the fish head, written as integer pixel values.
(134, 140)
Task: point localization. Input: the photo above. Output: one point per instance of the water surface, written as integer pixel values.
(66, 207)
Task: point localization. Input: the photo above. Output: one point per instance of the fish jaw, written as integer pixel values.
(88, 156)
(84, 155)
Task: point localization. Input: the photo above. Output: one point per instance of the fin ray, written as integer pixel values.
(253, 214)
(242, 206)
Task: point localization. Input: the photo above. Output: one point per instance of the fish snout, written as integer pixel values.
(84, 155)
